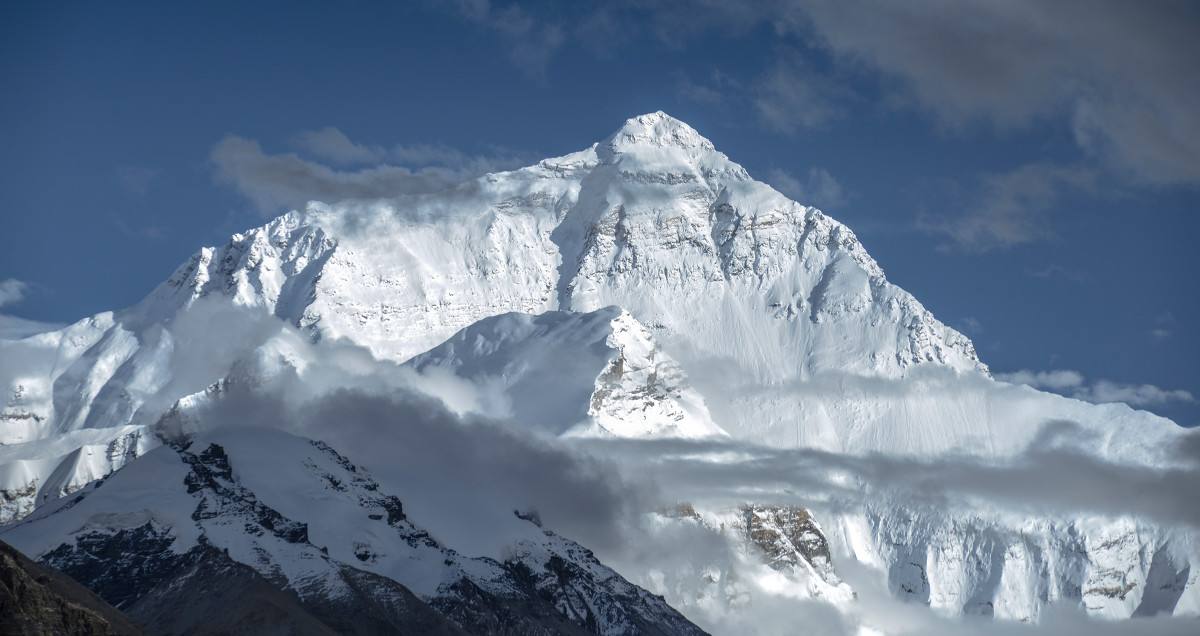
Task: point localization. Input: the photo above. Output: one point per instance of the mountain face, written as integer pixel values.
(315, 538)
(600, 371)
(645, 287)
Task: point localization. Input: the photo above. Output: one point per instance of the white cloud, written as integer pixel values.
(1074, 384)
(1055, 380)
(1135, 394)
(14, 328)
(12, 291)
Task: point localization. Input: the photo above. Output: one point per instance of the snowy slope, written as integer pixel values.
(1011, 567)
(312, 522)
(734, 562)
(576, 374)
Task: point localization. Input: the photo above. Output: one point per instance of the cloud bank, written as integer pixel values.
(1074, 384)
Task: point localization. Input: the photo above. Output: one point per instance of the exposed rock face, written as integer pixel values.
(776, 547)
(37, 600)
(314, 537)
(789, 538)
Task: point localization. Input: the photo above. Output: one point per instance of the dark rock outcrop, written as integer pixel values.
(37, 600)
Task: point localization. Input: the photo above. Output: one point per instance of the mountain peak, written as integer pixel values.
(657, 129)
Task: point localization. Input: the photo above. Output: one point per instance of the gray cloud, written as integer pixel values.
(1074, 384)
(333, 145)
(1010, 208)
(1118, 72)
(275, 182)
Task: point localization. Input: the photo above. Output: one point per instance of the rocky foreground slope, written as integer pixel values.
(36, 600)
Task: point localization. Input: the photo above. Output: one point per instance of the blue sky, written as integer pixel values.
(1031, 172)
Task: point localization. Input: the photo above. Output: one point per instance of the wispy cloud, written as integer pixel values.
(531, 39)
(792, 96)
(333, 145)
(1164, 326)
(136, 179)
(1054, 271)
(969, 325)
(817, 187)
(280, 181)
(719, 88)
(1009, 208)
(12, 291)
(729, 471)
(1075, 384)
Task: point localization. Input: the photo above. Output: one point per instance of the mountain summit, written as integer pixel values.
(655, 132)
(657, 129)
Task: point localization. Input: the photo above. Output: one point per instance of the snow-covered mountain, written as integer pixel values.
(319, 528)
(653, 220)
(644, 287)
(576, 374)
